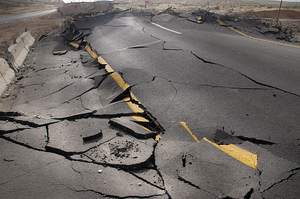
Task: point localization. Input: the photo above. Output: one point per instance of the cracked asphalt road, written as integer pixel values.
(228, 89)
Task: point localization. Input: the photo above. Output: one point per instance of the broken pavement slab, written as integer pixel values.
(114, 182)
(9, 127)
(274, 169)
(35, 138)
(151, 176)
(197, 166)
(66, 137)
(122, 152)
(128, 125)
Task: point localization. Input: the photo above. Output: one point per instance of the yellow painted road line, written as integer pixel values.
(92, 53)
(188, 129)
(274, 42)
(243, 156)
(74, 44)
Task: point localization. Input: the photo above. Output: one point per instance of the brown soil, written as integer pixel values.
(37, 27)
(22, 10)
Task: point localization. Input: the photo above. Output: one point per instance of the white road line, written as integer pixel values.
(166, 28)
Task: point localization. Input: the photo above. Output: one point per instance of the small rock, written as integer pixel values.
(139, 184)
(100, 171)
(119, 134)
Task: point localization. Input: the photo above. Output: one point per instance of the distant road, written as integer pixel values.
(11, 18)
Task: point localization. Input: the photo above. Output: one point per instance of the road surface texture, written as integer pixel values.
(165, 106)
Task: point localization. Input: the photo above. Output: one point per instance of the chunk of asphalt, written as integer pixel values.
(132, 128)
(123, 152)
(92, 133)
(62, 52)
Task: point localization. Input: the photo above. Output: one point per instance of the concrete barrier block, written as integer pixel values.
(6, 75)
(20, 49)
(27, 39)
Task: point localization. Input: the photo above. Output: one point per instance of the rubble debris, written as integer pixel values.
(264, 30)
(132, 128)
(92, 133)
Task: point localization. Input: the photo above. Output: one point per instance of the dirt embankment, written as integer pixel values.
(37, 26)
(13, 7)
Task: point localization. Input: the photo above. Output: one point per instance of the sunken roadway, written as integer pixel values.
(132, 105)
